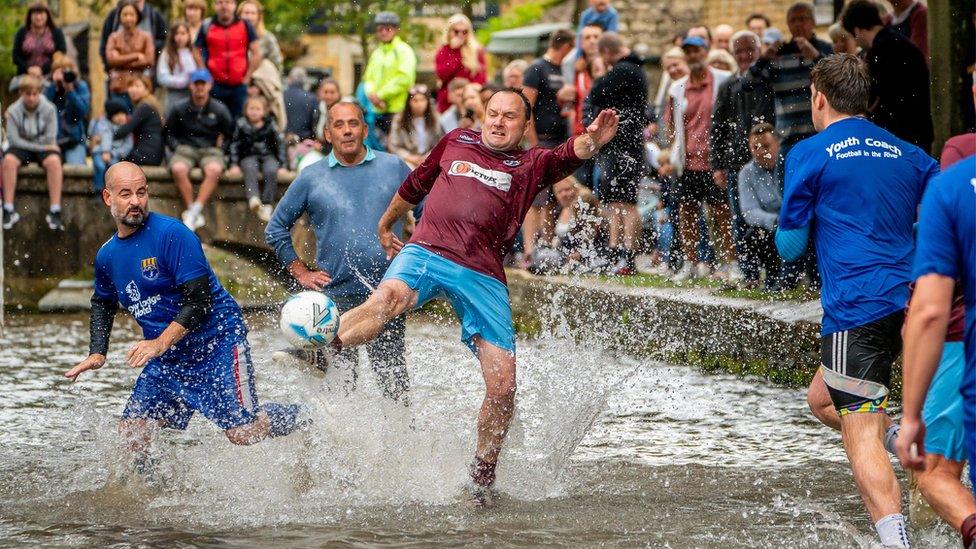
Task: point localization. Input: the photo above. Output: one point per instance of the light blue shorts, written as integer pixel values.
(480, 301)
(943, 413)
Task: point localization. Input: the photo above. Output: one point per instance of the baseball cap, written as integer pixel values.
(387, 18)
(696, 41)
(201, 75)
(772, 35)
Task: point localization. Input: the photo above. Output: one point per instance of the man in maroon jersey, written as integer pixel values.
(478, 188)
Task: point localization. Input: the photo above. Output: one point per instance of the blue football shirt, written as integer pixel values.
(143, 272)
(947, 246)
(857, 187)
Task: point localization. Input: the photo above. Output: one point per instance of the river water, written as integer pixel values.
(605, 451)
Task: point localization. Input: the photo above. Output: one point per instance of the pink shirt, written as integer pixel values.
(698, 123)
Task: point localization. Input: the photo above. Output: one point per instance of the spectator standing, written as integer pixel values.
(328, 94)
(176, 63)
(701, 31)
(460, 56)
(621, 161)
(258, 149)
(760, 198)
(737, 109)
(106, 149)
(390, 72)
(911, 20)
(722, 60)
(674, 68)
(722, 38)
(688, 117)
(899, 75)
(253, 12)
(842, 40)
(345, 197)
(70, 96)
(195, 130)
(145, 125)
(514, 73)
(36, 42)
(546, 88)
(150, 21)
(129, 51)
(758, 23)
(416, 129)
(229, 48)
(302, 113)
(786, 69)
(194, 12)
(32, 132)
(585, 70)
(451, 118)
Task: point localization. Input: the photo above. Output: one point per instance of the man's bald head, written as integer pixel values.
(123, 171)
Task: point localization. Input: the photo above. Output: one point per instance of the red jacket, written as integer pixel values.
(447, 65)
(225, 50)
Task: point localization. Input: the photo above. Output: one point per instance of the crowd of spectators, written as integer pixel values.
(694, 175)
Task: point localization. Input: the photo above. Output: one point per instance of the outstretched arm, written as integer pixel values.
(598, 134)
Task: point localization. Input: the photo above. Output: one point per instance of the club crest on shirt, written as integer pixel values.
(493, 178)
(512, 163)
(150, 268)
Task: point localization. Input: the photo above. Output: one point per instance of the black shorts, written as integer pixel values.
(621, 169)
(546, 196)
(698, 186)
(857, 364)
(31, 157)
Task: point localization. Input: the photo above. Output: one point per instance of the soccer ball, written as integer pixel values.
(309, 319)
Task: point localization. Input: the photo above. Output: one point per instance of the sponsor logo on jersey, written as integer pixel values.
(499, 180)
(467, 138)
(150, 268)
(140, 307)
(512, 163)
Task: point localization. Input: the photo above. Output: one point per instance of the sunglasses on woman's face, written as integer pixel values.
(418, 90)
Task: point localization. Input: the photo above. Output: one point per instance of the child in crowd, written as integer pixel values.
(105, 149)
(601, 14)
(258, 148)
(175, 65)
(32, 133)
(579, 244)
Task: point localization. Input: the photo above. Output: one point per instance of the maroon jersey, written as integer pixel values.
(477, 197)
(956, 330)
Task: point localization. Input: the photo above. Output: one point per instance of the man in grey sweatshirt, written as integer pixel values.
(32, 133)
(760, 199)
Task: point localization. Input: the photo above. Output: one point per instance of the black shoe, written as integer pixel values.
(10, 219)
(54, 221)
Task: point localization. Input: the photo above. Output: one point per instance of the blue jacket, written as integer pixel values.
(73, 110)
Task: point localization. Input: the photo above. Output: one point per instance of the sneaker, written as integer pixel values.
(254, 204)
(264, 212)
(10, 219)
(54, 221)
(702, 270)
(187, 217)
(198, 221)
(315, 361)
(684, 274)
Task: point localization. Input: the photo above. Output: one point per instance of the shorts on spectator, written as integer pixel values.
(698, 186)
(31, 157)
(195, 157)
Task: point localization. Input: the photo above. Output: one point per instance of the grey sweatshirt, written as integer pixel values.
(32, 131)
(759, 196)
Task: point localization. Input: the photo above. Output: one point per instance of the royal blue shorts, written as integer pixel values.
(219, 384)
(480, 301)
(945, 432)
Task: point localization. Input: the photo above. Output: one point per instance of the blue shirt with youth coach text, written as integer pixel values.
(143, 272)
(947, 246)
(857, 187)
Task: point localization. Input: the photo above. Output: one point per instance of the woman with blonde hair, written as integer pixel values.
(253, 12)
(722, 60)
(459, 57)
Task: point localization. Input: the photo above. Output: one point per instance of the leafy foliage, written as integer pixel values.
(519, 16)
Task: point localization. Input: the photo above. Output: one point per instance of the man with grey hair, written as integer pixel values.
(722, 37)
(737, 109)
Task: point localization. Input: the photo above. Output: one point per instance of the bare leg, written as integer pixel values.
(181, 178)
(55, 178)
(252, 433)
(630, 221)
(688, 213)
(498, 369)
(361, 324)
(615, 223)
(138, 434)
(818, 398)
(722, 219)
(862, 434)
(10, 166)
(943, 490)
(211, 176)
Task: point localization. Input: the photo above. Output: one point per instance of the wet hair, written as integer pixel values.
(759, 16)
(36, 7)
(861, 14)
(844, 80)
(562, 37)
(521, 94)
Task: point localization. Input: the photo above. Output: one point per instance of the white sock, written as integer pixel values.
(892, 531)
(196, 207)
(55, 208)
(9, 206)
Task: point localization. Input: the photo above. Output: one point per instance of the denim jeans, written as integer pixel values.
(75, 156)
